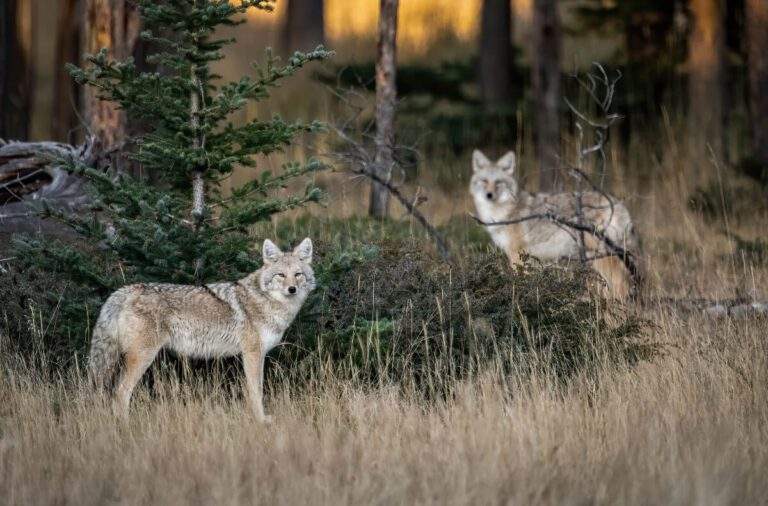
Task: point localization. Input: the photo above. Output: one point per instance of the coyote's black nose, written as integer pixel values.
(489, 195)
(291, 289)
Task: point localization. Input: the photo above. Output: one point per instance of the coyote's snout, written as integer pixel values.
(497, 198)
(247, 317)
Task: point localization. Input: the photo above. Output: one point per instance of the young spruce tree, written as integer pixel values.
(178, 228)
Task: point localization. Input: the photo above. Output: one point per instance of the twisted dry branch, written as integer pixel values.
(614, 249)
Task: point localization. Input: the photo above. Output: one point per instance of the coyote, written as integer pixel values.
(247, 317)
(497, 198)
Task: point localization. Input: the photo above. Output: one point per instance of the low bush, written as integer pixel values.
(386, 311)
(394, 313)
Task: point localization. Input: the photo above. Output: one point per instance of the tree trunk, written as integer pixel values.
(545, 68)
(65, 99)
(386, 94)
(304, 27)
(757, 45)
(113, 25)
(496, 53)
(198, 174)
(705, 75)
(16, 68)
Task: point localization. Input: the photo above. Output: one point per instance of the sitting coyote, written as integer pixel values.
(498, 199)
(247, 317)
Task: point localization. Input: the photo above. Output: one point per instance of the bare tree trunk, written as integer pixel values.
(65, 99)
(547, 50)
(496, 53)
(113, 25)
(16, 68)
(198, 180)
(757, 45)
(386, 94)
(705, 76)
(304, 27)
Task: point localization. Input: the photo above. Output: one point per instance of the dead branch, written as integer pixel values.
(730, 308)
(31, 172)
(362, 162)
(613, 249)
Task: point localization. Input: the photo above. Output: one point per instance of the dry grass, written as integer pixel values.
(690, 428)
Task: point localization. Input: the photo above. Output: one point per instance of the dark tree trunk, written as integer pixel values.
(496, 53)
(757, 45)
(386, 94)
(547, 49)
(65, 96)
(304, 27)
(705, 76)
(16, 68)
(114, 25)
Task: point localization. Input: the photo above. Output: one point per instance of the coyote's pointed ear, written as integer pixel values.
(304, 250)
(507, 162)
(270, 251)
(479, 161)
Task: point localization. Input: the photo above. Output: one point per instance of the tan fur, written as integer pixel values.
(247, 317)
(497, 198)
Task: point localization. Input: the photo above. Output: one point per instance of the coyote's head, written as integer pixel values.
(493, 183)
(287, 275)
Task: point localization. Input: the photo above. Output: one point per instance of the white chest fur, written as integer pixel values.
(490, 212)
(270, 337)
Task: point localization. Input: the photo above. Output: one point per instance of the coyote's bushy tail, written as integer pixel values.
(104, 355)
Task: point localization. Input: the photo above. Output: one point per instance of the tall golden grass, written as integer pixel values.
(691, 428)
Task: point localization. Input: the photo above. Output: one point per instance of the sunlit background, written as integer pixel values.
(429, 31)
(432, 33)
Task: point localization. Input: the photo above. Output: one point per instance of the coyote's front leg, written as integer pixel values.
(253, 363)
(515, 257)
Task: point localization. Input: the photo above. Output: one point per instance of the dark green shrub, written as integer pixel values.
(394, 313)
(386, 311)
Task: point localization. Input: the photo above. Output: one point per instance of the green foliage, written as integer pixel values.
(139, 230)
(395, 314)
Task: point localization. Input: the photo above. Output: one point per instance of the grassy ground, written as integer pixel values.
(690, 428)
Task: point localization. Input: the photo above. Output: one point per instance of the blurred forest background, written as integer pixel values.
(477, 73)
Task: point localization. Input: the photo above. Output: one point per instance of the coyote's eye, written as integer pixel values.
(299, 274)
(280, 275)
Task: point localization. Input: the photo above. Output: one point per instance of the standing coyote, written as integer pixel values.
(247, 317)
(498, 198)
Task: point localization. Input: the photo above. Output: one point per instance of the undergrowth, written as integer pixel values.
(386, 311)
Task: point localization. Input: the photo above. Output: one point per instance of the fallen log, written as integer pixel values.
(30, 172)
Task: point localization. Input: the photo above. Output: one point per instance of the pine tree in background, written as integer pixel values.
(179, 228)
